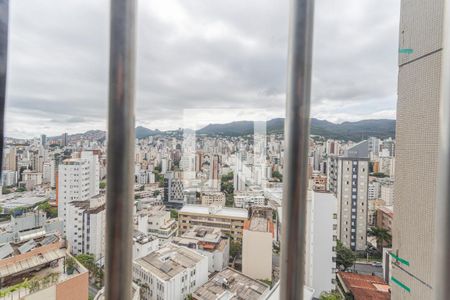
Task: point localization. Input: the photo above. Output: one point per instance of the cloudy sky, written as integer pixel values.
(211, 60)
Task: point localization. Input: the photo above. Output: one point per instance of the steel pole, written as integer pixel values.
(120, 179)
(4, 20)
(442, 232)
(295, 179)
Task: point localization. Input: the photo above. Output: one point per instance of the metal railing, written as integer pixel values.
(120, 164)
(118, 260)
(4, 21)
(293, 239)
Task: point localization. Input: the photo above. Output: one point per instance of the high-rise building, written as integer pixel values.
(419, 79)
(85, 228)
(65, 139)
(349, 179)
(173, 190)
(43, 140)
(77, 181)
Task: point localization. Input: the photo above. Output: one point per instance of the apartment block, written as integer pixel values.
(86, 227)
(171, 273)
(348, 177)
(229, 220)
(209, 242)
(212, 198)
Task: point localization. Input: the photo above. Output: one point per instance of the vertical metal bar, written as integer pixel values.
(442, 227)
(4, 20)
(296, 140)
(121, 137)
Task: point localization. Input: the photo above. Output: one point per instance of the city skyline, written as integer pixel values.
(58, 74)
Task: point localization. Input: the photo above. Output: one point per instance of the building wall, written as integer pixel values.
(417, 146)
(322, 242)
(257, 254)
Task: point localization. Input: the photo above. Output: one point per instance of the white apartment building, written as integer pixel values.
(171, 273)
(322, 236)
(143, 244)
(213, 198)
(210, 243)
(31, 178)
(78, 180)
(156, 222)
(85, 231)
(247, 199)
(348, 179)
(374, 190)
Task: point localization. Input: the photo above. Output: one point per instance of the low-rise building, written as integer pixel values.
(247, 199)
(172, 272)
(257, 244)
(156, 222)
(213, 198)
(231, 284)
(39, 269)
(229, 220)
(362, 287)
(209, 242)
(143, 244)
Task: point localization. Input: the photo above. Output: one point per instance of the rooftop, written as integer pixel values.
(167, 262)
(364, 287)
(231, 284)
(218, 211)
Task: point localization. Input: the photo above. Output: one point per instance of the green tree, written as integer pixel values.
(345, 258)
(51, 212)
(21, 189)
(156, 193)
(235, 249)
(6, 190)
(330, 296)
(381, 235)
(102, 184)
(174, 214)
(277, 175)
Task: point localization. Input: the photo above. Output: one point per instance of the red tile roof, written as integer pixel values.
(364, 287)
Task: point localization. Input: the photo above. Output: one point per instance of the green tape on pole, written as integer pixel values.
(401, 260)
(405, 51)
(400, 284)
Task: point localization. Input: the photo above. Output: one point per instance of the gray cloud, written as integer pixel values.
(195, 54)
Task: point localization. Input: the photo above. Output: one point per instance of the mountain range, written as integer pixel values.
(355, 131)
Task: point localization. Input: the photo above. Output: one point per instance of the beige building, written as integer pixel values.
(213, 198)
(229, 220)
(257, 246)
(421, 26)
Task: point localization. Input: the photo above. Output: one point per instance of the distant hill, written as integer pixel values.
(355, 131)
(142, 132)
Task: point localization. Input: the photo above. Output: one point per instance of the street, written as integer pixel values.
(367, 268)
